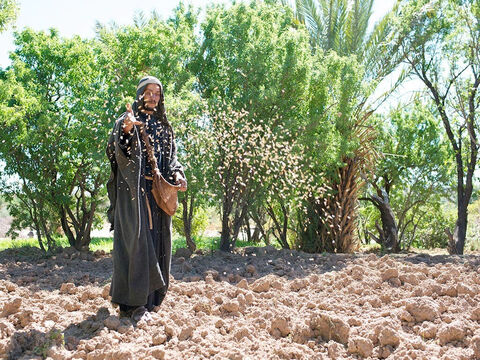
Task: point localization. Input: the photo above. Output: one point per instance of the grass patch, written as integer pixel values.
(102, 243)
(202, 242)
(106, 243)
(97, 243)
(18, 243)
(240, 244)
(210, 243)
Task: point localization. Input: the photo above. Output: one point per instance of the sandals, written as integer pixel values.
(140, 313)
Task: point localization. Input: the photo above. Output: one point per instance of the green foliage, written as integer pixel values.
(199, 223)
(202, 242)
(268, 105)
(415, 170)
(3, 207)
(254, 58)
(413, 152)
(163, 49)
(252, 163)
(50, 113)
(338, 25)
(17, 243)
(440, 41)
(253, 70)
(186, 113)
(342, 26)
(58, 101)
(334, 93)
(97, 243)
(150, 46)
(473, 233)
(210, 244)
(329, 139)
(432, 221)
(8, 13)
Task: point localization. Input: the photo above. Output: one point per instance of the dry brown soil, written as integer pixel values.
(260, 303)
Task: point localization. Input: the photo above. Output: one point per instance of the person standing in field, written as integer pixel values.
(142, 244)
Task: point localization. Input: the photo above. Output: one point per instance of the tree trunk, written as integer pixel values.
(86, 238)
(225, 239)
(256, 235)
(464, 190)
(238, 220)
(280, 227)
(389, 227)
(460, 231)
(389, 232)
(187, 222)
(225, 234)
(81, 239)
(50, 242)
(37, 226)
(66, 229)
(259, 233)
(337, 212)
(39, 237)
(247, 230)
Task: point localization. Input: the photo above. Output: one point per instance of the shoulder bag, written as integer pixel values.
(164, 193)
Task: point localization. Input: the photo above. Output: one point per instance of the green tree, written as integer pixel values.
(440, 41)
(253, 70)
(330, 144)
(8, 13)
(253, 165)
(52, 135)
(150, 45)
(193, 147)
(342, 26)
(61, 97)
(412, 177)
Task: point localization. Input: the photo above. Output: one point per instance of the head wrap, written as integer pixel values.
(138, 104)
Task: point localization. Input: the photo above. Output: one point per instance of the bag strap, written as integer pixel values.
(149, 148)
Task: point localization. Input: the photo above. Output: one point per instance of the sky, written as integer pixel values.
(79, 17)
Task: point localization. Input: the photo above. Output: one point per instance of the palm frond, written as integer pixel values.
(299, 13)
(330, 20)
(313, 20)
(359, 15)
(380, 53)
(341, 12)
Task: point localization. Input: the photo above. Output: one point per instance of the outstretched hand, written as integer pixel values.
(180, 180)
(129, 120)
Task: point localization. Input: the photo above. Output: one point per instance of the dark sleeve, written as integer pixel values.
(125, 140)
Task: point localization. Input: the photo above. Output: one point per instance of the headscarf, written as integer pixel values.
(138, 104)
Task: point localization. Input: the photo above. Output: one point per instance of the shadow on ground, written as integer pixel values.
(30, 268)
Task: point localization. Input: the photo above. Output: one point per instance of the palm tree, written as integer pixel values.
(343, 26)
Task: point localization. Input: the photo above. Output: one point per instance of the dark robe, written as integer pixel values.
(142, 231)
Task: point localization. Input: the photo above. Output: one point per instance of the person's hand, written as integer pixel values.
(182, 182)
(129, 120)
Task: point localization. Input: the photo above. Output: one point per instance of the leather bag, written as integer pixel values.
(164, 193)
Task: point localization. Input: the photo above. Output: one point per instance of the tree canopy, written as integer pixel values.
(271, 106)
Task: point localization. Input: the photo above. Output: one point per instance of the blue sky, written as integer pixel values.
(79, 17)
